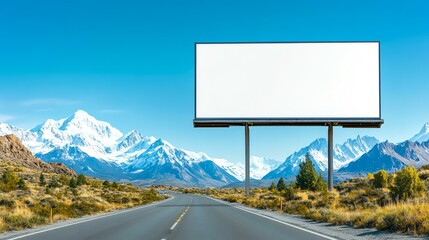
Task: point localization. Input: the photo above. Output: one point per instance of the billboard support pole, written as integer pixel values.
(330, 157)
(247, 158)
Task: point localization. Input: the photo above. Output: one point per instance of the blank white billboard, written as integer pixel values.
(325, 80)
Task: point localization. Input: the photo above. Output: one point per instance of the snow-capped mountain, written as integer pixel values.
(423, 135)
(391, 157)
(94, 137)
(96, 148)
(163, 161)
(344, 154)
(259, 166)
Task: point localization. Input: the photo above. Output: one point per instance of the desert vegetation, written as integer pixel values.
(28, 196)
(396, 202)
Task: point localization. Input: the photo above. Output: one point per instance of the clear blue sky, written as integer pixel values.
(131, 63)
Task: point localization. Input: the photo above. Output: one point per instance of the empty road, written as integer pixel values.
(185, 217)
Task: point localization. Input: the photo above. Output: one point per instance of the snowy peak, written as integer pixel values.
(344, 154)
(161, 144)
(425, 128)
(83, 123)
(129, 140)
(92, 136)
(423, 135)
(260, 166)
(319, 143)
(7, 129)
(354, 148)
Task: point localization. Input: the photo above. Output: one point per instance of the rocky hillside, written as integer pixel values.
(13, 152)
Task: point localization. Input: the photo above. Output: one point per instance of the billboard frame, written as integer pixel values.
(329, 122)
(344, 122)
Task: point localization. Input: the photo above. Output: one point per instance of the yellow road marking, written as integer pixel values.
(181, 216)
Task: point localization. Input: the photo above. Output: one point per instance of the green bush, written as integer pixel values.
(281, 185)
(106, 183)
(307, 178)
(81, 180)
(54, 183)
(42, 180)
(17, 222)
(73, 183)
(407, 184)
(290, 191)
(380, 179)
(272, 186)
(9, 203)
(22, 185)
(114, 185)
(9, 181)
(64, 179)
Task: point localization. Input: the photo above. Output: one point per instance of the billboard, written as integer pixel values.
(290, 83)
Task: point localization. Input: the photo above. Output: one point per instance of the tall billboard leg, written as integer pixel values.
(330, 157)
(247, 156)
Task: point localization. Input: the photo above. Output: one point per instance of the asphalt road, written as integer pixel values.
(183, 217)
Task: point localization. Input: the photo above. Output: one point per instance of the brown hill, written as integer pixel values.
(12, 151)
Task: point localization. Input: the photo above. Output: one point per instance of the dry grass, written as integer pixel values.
(20, 209)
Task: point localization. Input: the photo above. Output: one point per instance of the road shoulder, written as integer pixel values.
(340, 232)
(31, 231)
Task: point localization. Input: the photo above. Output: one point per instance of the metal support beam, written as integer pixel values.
(247, 158)
(330, 157)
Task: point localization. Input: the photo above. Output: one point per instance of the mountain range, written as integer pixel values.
(359, 156)
(344, 154)
(95, 148)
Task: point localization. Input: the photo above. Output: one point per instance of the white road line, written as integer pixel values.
(275, 220)
(174, 225)
(181, 216)
(92, 219)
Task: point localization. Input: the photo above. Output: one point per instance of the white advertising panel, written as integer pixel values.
(324, 80)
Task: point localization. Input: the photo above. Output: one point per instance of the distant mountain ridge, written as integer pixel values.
(344, 154)
(360, 156)
(96, 148)
(391, 157)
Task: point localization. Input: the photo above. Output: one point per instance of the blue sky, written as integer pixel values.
(131, 63)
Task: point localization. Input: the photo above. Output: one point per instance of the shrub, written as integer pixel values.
(42, 180)
(320, 184)
(9, 203)
(114, 185)
(81, 180)
(64, 179)
(290, 191)
(54, 183)
(73, 183)
(22, 185)
(272, 186)
(281, 185)
(407, 184)
(380, 179)
(10, 180)
(307, 178)
(75, 192)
